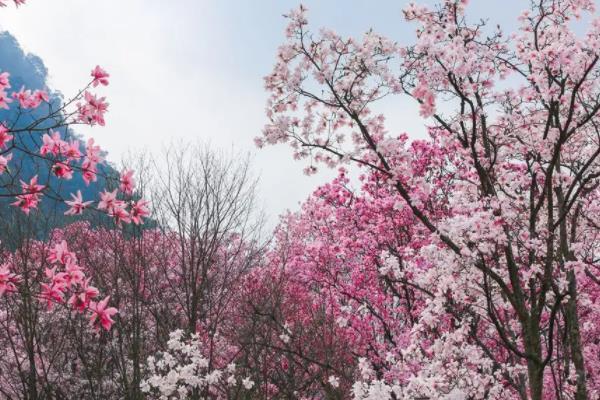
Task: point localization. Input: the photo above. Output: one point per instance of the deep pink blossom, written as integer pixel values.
(139, 210)
(62, 170)
(101, 314)
(81, 301)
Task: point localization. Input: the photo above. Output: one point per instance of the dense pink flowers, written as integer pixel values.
(65, 155)
(66, 276)
(461, 265)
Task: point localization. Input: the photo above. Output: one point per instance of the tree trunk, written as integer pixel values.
(533, 347)
(574, 336)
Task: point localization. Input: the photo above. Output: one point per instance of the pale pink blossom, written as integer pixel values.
(100, 76)
(76, 204)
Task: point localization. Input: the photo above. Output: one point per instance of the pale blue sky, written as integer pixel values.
(187, 69)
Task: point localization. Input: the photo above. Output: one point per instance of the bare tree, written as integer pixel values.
(208, 199)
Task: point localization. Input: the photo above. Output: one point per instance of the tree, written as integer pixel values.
(207, 199)
(503, 195)
(44, 274)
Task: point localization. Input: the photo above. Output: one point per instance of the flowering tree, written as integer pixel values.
(42, 283)
(153, 274)
(63, 159)
(206, 199)
(39, 132)
(501, 200)
(42, 140)
(287, 334)
(48, 286)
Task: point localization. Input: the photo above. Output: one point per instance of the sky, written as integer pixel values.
(191, 70)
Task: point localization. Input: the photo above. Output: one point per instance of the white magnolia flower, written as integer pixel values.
(334, 381)
(247, 383)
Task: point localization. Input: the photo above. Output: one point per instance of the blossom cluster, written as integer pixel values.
(182, 370)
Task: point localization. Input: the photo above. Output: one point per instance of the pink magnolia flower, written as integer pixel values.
(60, 280)
(4, 81)
(23, 97)
(73, 274)
(119, 213)
(52, 293)
(32, 187)
(30, 100)
(31, 196)
(89, 171)
(40, 96)
(8, 280)
(100, 76)
(52, 144)
(60, 254)
(101, 314)
(127, 182)
(4, 163)
(71, 150)
(4, 136)
(62, 170)
(92, 152)
(77, 205)
(107, 200)
(92, 112)
(80, 301)
(4, 99)
(138, 211)
(26, 202)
